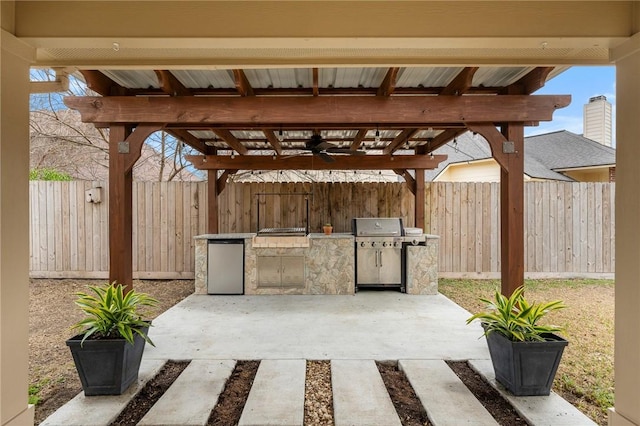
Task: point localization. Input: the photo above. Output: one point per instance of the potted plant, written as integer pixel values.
(108, 351)
(327, 228)
(524, 353)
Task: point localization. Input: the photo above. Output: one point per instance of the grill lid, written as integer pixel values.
(377, 226)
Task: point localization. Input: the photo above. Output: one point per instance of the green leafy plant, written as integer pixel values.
(112, 314)
(48, 174)
(515, 318)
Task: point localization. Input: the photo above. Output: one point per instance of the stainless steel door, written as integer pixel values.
(390, 265)
(225, 268)
(292, 270)
(367, 265)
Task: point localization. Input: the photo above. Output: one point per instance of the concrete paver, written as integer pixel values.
(359, 395)
(277, 394)
(550, 410)
(101, 410)
(192, 396)
(446, 399)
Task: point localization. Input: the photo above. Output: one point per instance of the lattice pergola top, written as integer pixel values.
(281, 90)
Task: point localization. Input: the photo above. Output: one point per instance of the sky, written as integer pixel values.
(581, 83)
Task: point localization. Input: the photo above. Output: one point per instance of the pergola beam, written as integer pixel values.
(273, 141)
(190, 140)
(231, 140)
(242, 83)
(316, 82)
(170, 84)
(358, 139)
(461, 83)
(388, 85)
(403, 137)
(532, 81)
(342, 162)
(103, 85)
(291, 111)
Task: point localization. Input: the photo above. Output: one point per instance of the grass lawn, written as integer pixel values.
(585, 375)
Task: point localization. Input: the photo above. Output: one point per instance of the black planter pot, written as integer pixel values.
(107, 366)
(526, 368)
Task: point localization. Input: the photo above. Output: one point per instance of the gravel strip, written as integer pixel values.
(318, 396)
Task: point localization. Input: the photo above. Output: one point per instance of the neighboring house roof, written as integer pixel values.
(563, 150)
(545, 155)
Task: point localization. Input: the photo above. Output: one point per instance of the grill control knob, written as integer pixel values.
(362, 244)
(396, 244)
(373, 244)
(384, 244)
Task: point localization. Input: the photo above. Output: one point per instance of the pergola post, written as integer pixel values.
(512, 211)
(419, 199)
(125, 148)
(120, 211)
(507, 149)
(212, 201)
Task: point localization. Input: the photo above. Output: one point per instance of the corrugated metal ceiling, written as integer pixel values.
(352, 77)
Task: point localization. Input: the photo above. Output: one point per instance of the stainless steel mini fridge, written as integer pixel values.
(225, 267)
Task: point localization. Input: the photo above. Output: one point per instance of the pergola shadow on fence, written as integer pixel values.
(132, 114)
(568, 227)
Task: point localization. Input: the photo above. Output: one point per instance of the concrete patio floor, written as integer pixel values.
(370, 325)
(351, 331)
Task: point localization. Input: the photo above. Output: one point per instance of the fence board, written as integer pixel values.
(569, 227)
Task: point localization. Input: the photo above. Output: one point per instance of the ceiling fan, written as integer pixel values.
(320, 147)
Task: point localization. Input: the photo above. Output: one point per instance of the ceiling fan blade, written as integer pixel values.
(325, 157)
(347, 151)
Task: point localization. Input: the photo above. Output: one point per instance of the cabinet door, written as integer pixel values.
(367, 266)
(292, 271)
(268, 271)
(390, 266)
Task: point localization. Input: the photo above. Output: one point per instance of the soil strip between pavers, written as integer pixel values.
(500, 409)
(403, 396)
(233, 398)
(150, 394)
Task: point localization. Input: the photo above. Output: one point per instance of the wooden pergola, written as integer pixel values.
(499, 114)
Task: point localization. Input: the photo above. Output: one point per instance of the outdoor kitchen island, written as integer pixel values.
(312, 264)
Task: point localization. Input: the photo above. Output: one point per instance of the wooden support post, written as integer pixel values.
(419, 199)
(212, 197)
(512, 212)
(508, 150)
(120, 217)
(125, 147)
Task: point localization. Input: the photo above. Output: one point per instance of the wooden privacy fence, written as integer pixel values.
(569, 227)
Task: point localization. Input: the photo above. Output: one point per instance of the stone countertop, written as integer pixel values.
(333, 235)
(235, 236)
(248, 235)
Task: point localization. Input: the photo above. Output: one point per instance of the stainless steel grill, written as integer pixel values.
(379, 259)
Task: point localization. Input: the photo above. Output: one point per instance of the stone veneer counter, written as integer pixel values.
(327, 262)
